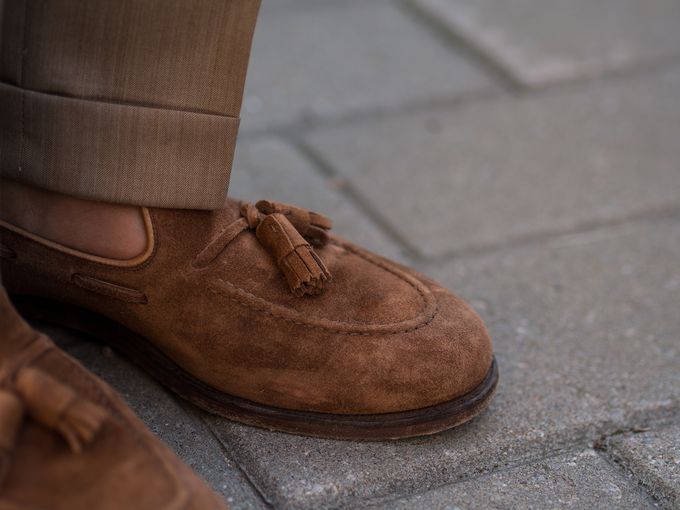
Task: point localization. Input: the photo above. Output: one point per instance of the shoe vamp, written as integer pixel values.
(364, 289)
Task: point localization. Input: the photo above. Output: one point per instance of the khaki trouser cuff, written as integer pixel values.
(123, 153)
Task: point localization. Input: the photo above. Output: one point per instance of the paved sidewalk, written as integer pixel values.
(527, 154)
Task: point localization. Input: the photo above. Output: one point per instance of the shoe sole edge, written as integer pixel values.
(363, 427)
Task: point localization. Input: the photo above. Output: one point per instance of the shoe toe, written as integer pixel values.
(461, 344)
(439, 362)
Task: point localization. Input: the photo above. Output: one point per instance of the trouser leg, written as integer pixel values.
(126, 101)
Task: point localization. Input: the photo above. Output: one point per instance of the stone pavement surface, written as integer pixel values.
(527, 154)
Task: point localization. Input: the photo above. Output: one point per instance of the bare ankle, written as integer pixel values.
(98, 228)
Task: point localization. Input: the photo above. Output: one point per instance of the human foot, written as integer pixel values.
(67, 441)
(236, 311)
(98, 228)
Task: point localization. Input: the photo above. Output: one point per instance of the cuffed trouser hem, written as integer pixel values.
(112, 152)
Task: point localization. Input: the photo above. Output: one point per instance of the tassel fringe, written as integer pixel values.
(80, 423)
(58, 407)
(305, 272)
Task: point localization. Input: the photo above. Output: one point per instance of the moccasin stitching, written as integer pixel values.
(336, 331)
(333, 326)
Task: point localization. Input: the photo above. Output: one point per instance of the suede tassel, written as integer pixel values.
(58, 407)
(305, 272)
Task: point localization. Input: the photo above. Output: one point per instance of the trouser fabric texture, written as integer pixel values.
(124, 101)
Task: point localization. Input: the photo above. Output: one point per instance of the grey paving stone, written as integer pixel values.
(654, 459)
(497, 171)
(542, 41)
(273, 169)
(315, 60)
(585, 329)
(579, 481)
(184, 433)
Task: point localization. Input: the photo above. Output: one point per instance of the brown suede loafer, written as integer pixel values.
(68, 442)
(259, 314)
